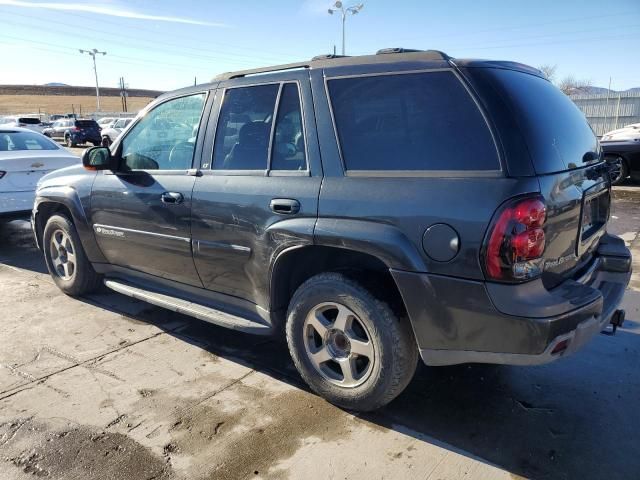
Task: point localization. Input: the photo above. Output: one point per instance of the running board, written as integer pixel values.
(185, 307)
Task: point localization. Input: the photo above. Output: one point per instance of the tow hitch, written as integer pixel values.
(617, 319)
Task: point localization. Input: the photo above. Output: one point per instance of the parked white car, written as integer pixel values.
(32, 123)
(25, 156)
(106, 122)
(110, 133)
(628, 132)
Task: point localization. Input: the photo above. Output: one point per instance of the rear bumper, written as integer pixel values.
(16, 203)
(84, 138)
(462, 321)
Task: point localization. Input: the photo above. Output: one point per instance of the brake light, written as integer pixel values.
(516, 241)
(2, 174)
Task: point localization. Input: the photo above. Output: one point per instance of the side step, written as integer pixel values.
(185, 307)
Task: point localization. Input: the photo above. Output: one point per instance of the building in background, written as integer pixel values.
(608, 111)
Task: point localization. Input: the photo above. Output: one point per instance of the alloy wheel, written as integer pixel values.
(63, 254)
(616, 170)
(338, 345)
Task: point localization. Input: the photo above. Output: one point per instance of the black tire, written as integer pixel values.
(80, 279)
(106, 142)
(96, 144)
(619, 169)
(69, 141)
(395, 357)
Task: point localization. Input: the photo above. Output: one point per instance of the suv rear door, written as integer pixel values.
(141, 213)
(261, 175)
(564, 154)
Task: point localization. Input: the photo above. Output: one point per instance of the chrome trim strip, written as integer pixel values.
(201, 245)
(98, 226)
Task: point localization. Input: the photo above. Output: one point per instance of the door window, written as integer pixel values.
(244, 128)
(288, 145)
(165, 138)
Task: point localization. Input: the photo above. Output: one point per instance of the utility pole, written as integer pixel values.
(93, 54)
(353, 10)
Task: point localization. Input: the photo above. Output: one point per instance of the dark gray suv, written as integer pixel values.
(371, 209)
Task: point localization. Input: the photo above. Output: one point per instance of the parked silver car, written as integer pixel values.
(109, 134)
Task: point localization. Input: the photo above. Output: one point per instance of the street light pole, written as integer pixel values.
(339, 7)
(93, 54)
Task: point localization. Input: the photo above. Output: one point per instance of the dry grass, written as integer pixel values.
(49, 104)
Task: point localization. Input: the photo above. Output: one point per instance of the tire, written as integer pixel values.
(388, 350)
(65, 258)
(619, 169)
(96, 144)
(69, 141)
(106, 142)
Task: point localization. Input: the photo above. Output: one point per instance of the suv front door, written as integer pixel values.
(261, 176)
(141, 213)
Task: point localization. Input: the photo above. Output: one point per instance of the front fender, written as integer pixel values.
(50, 199)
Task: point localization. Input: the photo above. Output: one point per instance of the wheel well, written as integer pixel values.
(616, 155)
(45, 211)
(298, 265)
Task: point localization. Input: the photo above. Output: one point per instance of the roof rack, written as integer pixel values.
(435, 54)
(327, 56)
(256, 71)
(426, 54)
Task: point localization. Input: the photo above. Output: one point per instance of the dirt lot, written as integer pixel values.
(111, 388)
(16, 104)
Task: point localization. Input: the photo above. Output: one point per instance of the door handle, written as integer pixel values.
(171, 198)
(285, 206)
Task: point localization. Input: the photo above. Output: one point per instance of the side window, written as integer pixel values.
(288, 145)
(164, 139)
(244, 128)
(417, 121)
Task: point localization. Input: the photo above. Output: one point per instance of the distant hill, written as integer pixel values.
(68, 90)
(601, 90)
(55, 84)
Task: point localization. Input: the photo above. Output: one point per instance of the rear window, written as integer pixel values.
(15, 141)
(556, 131)
(29, 121)
(416, 121)
(86, 123)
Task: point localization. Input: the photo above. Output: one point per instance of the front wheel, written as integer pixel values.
(65, 258)
(106, 141)
(348, 346)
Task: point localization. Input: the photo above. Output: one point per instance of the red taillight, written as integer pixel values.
(517, 241)
(2, 174)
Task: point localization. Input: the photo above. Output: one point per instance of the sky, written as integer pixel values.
(170, 44)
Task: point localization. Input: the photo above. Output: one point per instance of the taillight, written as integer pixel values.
(516, 241)
(2, 173)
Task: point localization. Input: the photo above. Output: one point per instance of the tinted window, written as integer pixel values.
(422, 121)
(29, 121)
(86, 124)
(244, 128)
(165, 137)
(556, 131)
(25, 141)
(288, 145)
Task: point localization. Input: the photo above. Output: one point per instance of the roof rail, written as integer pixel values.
(327, 56)
(435, 54)
(257, 71)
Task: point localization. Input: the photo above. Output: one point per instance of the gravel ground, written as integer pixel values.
(105, 387)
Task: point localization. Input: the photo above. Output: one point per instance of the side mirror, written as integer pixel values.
(98, 158)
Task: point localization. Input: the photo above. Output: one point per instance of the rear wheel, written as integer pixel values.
(67, 263)
(69, 141)
(349, 346)
(618, 169)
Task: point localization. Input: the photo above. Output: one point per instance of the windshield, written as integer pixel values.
(16, 141)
